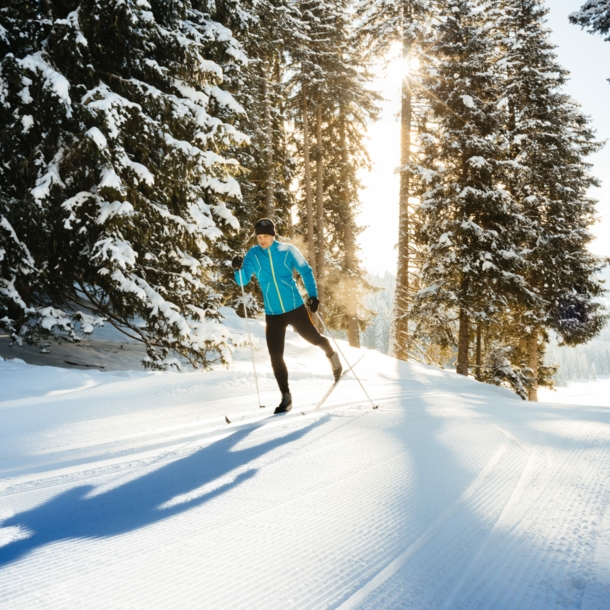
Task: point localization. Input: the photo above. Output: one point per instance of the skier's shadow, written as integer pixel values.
(141, 501)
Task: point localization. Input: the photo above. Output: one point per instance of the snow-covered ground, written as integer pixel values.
(125, 489)
(587, 393)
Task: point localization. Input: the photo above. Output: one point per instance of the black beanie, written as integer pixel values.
(264, 226)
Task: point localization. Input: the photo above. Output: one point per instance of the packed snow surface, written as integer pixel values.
(126, 489)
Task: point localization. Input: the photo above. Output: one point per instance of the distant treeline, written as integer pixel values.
(588, 361)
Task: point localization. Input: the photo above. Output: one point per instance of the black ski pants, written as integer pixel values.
(276, 335)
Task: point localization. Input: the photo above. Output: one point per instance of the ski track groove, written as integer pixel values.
(492, 571)
(537, 554)
(367, 540)
(445, 542)
(412, 546)
(439, 558)
(324, 595)
(167, 454)
(496, 513)
(515, 494)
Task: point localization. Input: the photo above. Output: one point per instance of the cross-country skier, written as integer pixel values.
(273, 263)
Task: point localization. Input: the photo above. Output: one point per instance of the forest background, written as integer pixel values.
(584, 56)
(140, 140)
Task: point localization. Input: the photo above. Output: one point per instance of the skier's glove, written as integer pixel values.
(237, 262)
(313, 303)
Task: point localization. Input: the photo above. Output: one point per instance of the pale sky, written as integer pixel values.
(586, 56)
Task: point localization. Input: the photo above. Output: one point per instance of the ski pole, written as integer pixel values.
(243, 297)
(348, 364)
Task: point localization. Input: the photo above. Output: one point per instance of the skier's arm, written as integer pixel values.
(302, 266)
(243, 275)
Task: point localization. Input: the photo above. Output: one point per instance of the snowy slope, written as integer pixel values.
(126, 490)
(590, 393)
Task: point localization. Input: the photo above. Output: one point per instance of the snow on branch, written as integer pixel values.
(595, 16)
(131, 136)
(53, 80)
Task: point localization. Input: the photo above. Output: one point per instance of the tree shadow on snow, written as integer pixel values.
(146, 500)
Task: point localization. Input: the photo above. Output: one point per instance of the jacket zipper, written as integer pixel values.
(274, 280)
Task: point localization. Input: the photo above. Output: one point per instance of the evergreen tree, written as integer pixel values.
(273, 31)
(549, 178)
(469, 224)
(595, 16)
(350, 107)
(113, 182)
(307, 92)
(330, 90)
(316, 61)
(498, 370)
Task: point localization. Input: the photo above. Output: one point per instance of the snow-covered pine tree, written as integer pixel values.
(498, 369)
(316, 62)
(349, 107)
(549, 178)
(340, 105)
(306, 96)
(113, 183)
(595, 16)
(273, 31)
(469, 225)
(501, 336)
(346, 291)
(383, 25)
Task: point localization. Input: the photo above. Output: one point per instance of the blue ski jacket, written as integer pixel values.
(273, 268)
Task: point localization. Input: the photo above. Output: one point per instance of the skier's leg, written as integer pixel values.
(301, 322)
(275, 334)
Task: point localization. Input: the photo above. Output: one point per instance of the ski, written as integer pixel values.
(246, 419)
(333, 386)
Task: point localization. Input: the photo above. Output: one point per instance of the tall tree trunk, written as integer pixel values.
(290, 225)
(523, 349)
(463, 343)
(269, 181)
(532, 363)
(351, 299)
(353, 328)
(399, 339)
(478, 353)
(281, 175)
(320, 203)
(308, 202)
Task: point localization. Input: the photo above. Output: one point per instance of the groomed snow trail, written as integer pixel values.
(128, 491)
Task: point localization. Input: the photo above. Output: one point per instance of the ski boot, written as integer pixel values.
(285, 405)
(335, 364)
